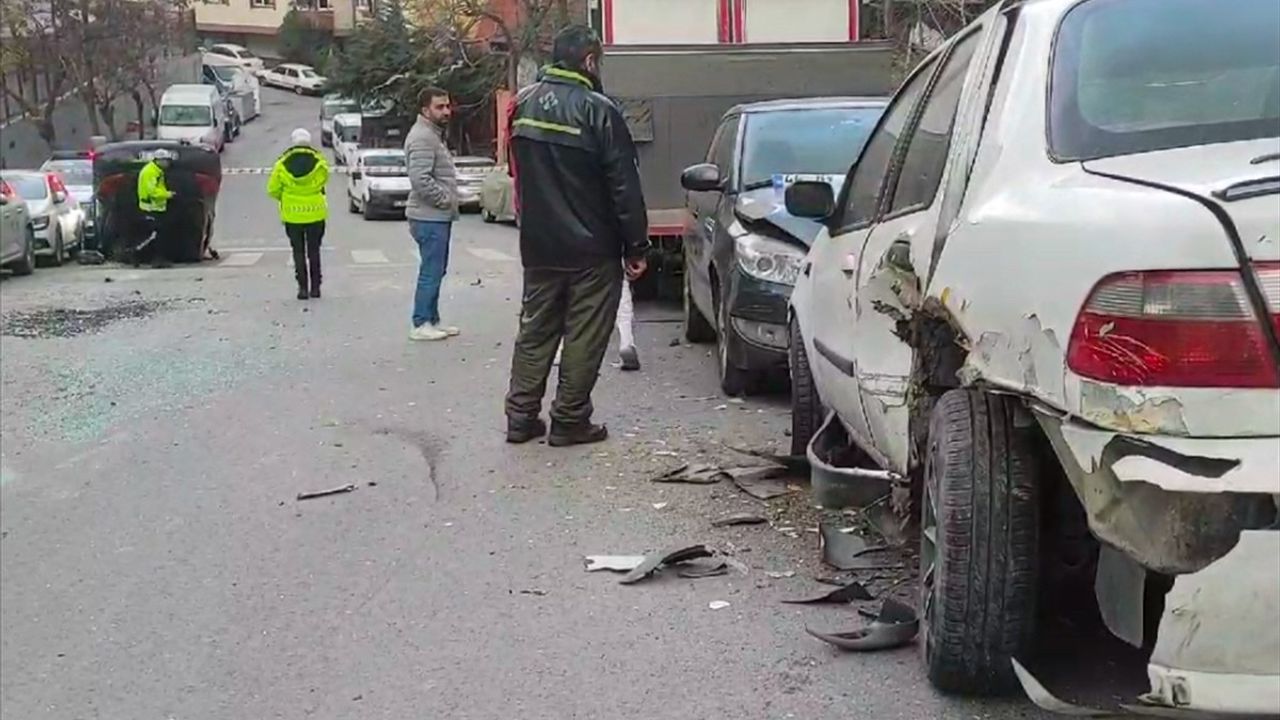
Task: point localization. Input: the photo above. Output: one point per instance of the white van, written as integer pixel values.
(346, 137)
(194, 113)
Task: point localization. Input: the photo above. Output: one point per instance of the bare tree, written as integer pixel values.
(32, 43)
(527, 32)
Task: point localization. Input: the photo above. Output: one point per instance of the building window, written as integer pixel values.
(364, 5)
(262, 3)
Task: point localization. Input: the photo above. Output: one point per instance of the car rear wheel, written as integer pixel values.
(59, 251)
(27, 264)
(733, 380)
(979, 543)
(696, 327)
(806, 406)
(297, 89)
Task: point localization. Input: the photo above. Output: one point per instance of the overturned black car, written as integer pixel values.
(195, 176)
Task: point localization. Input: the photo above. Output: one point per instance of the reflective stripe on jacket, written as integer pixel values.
(153, 194)
(297, 183)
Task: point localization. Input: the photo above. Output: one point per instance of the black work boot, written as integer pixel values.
(522, 430)
(581, 434)
(315, 289)
(302, 292)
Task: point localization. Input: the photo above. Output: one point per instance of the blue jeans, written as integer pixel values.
(433, 246)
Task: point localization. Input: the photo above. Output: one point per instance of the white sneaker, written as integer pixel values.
(449, 330)
(428, 333)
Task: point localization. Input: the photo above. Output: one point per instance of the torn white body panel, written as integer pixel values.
(1218, 646)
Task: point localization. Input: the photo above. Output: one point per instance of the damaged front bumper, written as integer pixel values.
(1203, 510)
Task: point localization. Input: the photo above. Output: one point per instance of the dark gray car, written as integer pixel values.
(742, 250)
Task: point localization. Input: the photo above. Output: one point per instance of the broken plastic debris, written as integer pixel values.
(653, 561)
(1046, 701)
(895, 626)
(613, 563)
(842, 550)
(717, 604)
(325, 493)
(697, 572)
(840, 596)
(534, 591)
(739, 518)
(693, 474)
(888, 523)
(781, 575)
(660, 505)
(763, 483)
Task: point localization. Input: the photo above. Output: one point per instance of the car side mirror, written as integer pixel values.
(702, 178)
(814, 200)
(356, 175)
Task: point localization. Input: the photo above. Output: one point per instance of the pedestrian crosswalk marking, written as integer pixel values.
(369, 257)
(333, 170)
(241, 259)
(490, 254)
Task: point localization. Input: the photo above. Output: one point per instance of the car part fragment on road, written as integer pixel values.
(693, 475)
(896, 625)
(843, 550)
(764, 483)
(697, 572)
(325, 493)
(795, 464)
(836, 473)
(613, 563)
(654, 561)
(739, 518)
(717, 604)
(852, 592)
(1045, 700)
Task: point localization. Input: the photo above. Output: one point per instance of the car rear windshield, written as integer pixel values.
(384, 161)
(29, 187)
(337, 107)
(1132, 76)
(186, 115)
(225, 72)
(820, 141)
(73, 172)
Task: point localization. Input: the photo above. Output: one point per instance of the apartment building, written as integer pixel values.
(725, 22)
(255, 23)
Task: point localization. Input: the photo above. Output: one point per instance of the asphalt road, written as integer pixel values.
(156, 564)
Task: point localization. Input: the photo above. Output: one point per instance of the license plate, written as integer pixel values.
(401, 203)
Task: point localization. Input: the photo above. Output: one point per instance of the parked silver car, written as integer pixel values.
(76, 171)
(56, 217)
(17, 239)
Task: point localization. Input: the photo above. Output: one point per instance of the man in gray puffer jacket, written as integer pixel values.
(431, 210)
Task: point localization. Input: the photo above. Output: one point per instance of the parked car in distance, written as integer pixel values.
(346, 137)
(301, 79)
(378, 184)
(53, 212)
(75, 168)
(1047, 300)
(472, 170)
(17, 238)
(243, 86)
(498, 196)
(742, 252)
(195, 113)
(332, 106)
(237, 54)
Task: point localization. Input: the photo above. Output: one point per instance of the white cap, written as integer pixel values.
(300, 137)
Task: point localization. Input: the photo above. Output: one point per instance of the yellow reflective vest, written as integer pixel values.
(297, 183)
(153, 195)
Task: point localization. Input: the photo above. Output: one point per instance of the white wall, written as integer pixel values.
(665, 22)
(781, 21)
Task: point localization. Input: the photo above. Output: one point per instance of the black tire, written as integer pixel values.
(351, 206)
(487, 217)
(297, 90)
(980, 538)
(696, 327)
(27, 264)
(59, 251)
(806, 407)
(734, 381)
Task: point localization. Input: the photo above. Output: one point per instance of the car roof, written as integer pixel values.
(812, 103)
(347, 118)
(229, 46)
(362, 152)
(59, 155)
(200, 92)
(21, 173)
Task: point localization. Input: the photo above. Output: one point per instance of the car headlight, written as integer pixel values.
(769, 260)
(39, 223)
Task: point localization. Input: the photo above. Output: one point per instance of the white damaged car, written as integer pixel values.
(1049, 294)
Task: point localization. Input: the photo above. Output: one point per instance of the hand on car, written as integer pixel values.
(635, 267)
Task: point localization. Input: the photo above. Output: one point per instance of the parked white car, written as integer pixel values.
(54, 214)
(238, 54)
(1049, 294)
(195, 113)
(301, 79)
(245, 87)
(378, 184)
(346, 137)
(17, 238)
(332, 106)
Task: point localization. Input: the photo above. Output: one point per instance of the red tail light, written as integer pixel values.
(1193, 328)
(6, 190)
(111, 184)
(207, 184)
(55, 183)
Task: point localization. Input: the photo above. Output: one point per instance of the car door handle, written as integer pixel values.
(849, 264)
(899, 254)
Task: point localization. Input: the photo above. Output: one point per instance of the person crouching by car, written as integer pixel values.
(153, 201)
(298, 184)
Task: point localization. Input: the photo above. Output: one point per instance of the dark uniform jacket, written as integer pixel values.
(581, 203)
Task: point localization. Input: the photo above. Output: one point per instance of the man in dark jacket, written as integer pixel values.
(583, 224)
